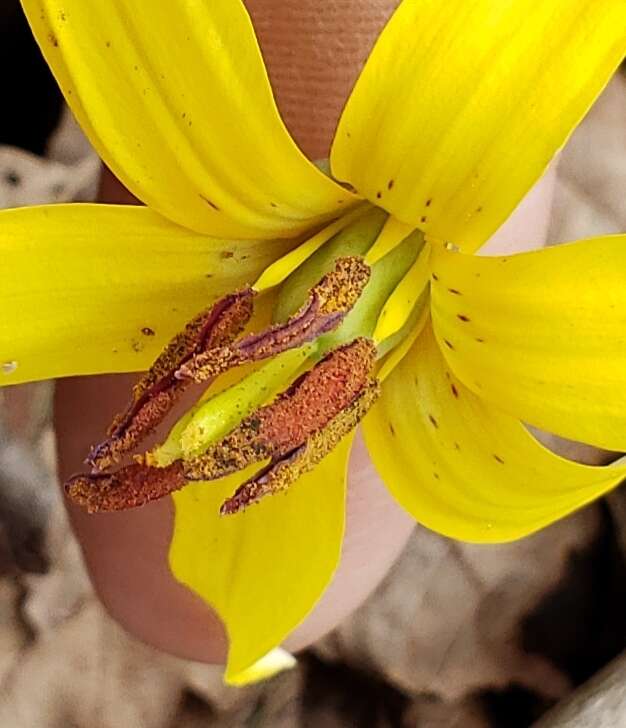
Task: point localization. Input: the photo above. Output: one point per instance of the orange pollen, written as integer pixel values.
(327, 305)
(132, 486)
(305, 408)
(158, 390)
(295, 431)
(283, 472)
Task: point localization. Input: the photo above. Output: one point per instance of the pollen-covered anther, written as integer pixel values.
(305, 408)
(131, 486)
(158, 390)
(283, 472)
(340, 289)
(327, 304)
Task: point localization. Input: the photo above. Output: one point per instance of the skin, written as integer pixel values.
(314, 51)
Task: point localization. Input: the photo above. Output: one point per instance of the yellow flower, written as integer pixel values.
(458, 110)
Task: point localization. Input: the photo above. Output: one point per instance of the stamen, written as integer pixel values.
(354, 241)
(308, 406)
(132, 486)
(283, 472)
(385, 276)
(158, 390)
(297, 430)
(328, 303)
(215, 417)
(282, 268)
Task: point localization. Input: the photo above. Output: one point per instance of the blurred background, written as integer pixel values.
(457, 636)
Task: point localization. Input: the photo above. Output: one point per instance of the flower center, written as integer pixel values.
(347, 296)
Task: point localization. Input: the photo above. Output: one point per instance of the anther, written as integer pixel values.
(296, 431)
(327, 305)
(281, 473)
(131, 486)
(305, 408)
(158, 390)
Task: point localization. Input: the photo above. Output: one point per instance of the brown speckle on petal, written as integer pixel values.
(209, 202)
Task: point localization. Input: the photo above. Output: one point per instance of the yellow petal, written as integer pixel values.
(541, 335)
(462, 104)
(282, 268)
(86, 289)
(397, 354)
(400, 304)
(392, 234)
(175, 98)
(274, 662)
(462, 467)
(264, 569)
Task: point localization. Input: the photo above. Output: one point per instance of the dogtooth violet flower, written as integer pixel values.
(315, 300)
